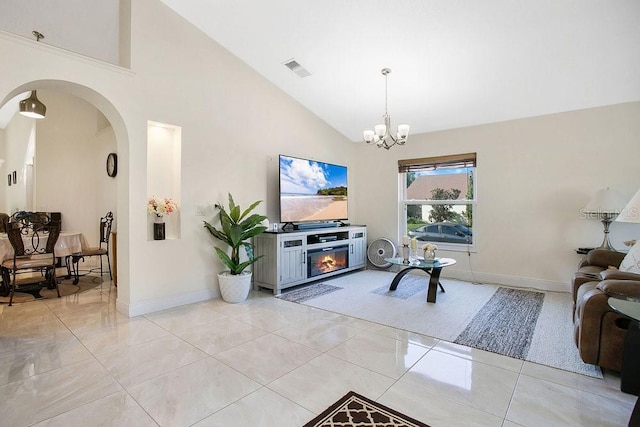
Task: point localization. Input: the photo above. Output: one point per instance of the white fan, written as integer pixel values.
(379, 250)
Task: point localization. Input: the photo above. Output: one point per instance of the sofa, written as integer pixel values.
(599, 331)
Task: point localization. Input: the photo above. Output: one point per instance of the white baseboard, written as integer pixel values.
(511, 281)
(150, 306)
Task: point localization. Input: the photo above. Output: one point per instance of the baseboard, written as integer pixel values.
(511, 281)
(150, 306)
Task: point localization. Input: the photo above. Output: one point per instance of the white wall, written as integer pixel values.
(71, 146)
(18, 133)
(533, 177)
(70, 172)
(234, 124)
(3, 170)
(89, 28)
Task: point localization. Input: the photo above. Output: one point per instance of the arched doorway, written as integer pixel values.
(94, 99)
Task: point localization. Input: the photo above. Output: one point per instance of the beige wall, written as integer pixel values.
(533, 177)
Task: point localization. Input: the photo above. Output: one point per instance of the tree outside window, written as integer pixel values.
(439, 199)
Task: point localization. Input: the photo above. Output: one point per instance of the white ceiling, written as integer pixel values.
(454, 63)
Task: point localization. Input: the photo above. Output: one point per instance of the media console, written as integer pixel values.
(297, 257)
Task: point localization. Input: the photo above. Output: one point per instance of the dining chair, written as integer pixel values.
(102, 250)
(33, 239)
(3, 220)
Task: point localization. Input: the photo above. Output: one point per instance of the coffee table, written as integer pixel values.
(431, 267)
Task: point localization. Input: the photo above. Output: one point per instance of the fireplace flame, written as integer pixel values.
(329, 263)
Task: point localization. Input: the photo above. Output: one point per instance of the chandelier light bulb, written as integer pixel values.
(403, 131)
(368, 135)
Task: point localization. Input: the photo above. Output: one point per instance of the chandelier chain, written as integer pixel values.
(382, 135)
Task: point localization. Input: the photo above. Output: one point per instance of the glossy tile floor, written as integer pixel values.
(75, 361)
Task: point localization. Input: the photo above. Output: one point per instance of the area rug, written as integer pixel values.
(547, 330)
(356, 410)
(66, 288)
(505, 324)
(303, 294)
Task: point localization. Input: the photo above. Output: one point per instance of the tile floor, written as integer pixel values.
(76, 361)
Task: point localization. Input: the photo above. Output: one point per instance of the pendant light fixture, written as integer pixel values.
(32, 107)
(382, 136)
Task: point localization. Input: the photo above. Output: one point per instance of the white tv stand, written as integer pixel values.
(286, 255)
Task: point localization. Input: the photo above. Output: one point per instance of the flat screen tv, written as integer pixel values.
(312, 191)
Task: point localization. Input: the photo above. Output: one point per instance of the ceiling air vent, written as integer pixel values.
(293, 65)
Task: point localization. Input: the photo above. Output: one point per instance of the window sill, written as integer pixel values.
(452, 247)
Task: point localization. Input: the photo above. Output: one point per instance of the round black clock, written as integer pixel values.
(112, 164)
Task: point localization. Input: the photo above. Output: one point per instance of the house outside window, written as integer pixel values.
(437, 199)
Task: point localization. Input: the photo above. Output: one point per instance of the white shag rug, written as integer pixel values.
(552, 343)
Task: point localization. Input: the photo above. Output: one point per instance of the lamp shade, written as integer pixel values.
(631, 212)
(32, 107)
(605, 201)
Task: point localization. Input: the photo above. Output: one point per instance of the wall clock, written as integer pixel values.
(112, 164)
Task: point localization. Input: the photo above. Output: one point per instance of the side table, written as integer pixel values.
(630, 375)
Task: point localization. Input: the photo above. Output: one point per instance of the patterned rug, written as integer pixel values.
(356, 410)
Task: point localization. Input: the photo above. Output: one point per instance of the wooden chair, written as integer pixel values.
(33, 238)
(3, 220)
(102, 250)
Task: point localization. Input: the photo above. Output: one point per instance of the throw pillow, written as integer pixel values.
(631, 262)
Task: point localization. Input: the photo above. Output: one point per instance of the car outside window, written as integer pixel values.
(438, 198)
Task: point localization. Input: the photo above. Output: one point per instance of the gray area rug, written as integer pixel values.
(408, 289)
(312, 291)
(505, 324)
(551, 343)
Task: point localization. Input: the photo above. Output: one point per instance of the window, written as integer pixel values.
(438, 198)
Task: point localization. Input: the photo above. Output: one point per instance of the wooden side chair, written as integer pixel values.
(33, 239)
(3, 220)
(102, 250)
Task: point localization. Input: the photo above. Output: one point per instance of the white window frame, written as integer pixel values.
(404, 203)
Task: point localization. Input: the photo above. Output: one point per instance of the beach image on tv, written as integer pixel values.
(312, 191)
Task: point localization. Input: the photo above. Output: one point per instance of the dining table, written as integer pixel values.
(68, 243)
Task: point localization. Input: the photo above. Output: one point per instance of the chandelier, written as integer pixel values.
(381, 136)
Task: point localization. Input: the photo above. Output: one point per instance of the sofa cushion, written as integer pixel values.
(631, 262)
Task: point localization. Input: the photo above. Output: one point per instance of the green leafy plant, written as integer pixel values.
(236, 228)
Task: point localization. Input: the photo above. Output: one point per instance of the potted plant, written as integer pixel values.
(236, 228)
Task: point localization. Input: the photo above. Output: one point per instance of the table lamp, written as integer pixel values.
(605, 206)
(631, 212)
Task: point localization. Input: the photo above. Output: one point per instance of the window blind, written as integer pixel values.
(439, 162)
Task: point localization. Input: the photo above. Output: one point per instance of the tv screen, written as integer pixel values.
(312, 191)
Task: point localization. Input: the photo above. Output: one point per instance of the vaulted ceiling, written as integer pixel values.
(454, 63)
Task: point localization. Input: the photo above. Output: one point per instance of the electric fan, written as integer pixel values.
(379, 250)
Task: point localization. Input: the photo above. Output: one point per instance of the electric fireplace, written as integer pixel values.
(327, 260)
